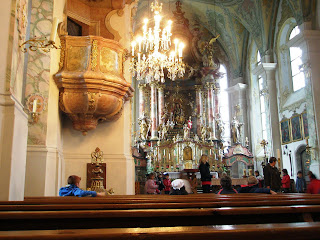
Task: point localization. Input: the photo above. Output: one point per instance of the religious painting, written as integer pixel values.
(296, 130)
(305, 127)
(285, 131)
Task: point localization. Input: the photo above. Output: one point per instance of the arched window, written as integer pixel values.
(224, 102)
(298, 80)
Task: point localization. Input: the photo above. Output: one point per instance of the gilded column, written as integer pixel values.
(161, 103)
(142, 88)
(199, 108)
(153, 109)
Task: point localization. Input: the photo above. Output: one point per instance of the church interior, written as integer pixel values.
(112, 91)
(236, 80)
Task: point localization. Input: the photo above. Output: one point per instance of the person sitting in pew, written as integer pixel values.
(314, 185)
(73, 189)
(253, 187)
(178, 187)
(226, 186)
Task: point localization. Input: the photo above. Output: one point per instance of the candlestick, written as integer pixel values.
(278, 153)
(34, 106)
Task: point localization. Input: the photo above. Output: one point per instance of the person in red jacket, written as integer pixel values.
(314, 185)
(166, 183)
(285, 181)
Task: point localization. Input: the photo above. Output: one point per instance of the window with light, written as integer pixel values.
(298, 79)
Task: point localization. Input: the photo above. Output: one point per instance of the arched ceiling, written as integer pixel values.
(234, 20)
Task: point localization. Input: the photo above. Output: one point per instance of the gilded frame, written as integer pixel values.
(296, 128)
(285, 131)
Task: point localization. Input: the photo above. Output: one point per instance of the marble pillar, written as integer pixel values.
(161, 104)
(199, 108)
(142, 89)
(210, 105)
(153, 109)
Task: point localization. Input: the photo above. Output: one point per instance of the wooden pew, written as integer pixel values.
(71, 219)
(292, 231)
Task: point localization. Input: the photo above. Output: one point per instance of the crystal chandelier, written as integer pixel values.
(150, 52)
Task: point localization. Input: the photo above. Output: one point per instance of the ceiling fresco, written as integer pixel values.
(234, 20)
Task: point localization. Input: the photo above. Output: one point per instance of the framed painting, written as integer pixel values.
(296, 128)
(285, 131)
(305, 127)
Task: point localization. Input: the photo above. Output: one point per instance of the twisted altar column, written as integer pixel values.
(142, 88)
(161, 103)
(210, 104)
(199, 108)
(153, 109)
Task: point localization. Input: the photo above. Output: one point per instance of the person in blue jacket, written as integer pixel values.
(73, 189)
(253, 187)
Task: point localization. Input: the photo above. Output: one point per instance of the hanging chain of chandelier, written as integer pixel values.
(151, 55)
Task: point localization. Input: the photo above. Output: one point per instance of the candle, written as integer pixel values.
(54, 29)
(244, 172)
(133, 44)
(278, 153)
(34, 107)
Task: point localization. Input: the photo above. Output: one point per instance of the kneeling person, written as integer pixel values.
(73, 189)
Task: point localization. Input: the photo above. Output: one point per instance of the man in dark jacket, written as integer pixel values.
(205, 173)
(271, 174)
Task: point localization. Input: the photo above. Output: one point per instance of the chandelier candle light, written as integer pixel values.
(150, 51)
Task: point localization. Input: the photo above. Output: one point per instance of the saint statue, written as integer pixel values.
(219, 127)
(186, 132)
(190, 123)
(236, 129)
(144, 128)
(163, 130)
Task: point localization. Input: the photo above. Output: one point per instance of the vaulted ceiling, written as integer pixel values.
(234, 20)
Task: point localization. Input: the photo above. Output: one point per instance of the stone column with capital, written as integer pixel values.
(199, 108)
(161, 103)
(153, 111)
(267, 71)
(310, 57)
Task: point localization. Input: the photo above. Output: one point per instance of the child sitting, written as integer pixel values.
(73, 189)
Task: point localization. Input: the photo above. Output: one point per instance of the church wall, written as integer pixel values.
(113, 138)
(292, 103)
(44, 140)
(13, 119)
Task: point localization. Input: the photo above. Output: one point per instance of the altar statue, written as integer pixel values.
(236, 129)
(144, 128)
(219, 127)
(203, 132)
(190, 123)
(163, 130)
(186, 132)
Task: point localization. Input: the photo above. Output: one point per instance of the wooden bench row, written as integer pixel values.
(167, 205)
(71, 219)
(160, 199)
(292, 231)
